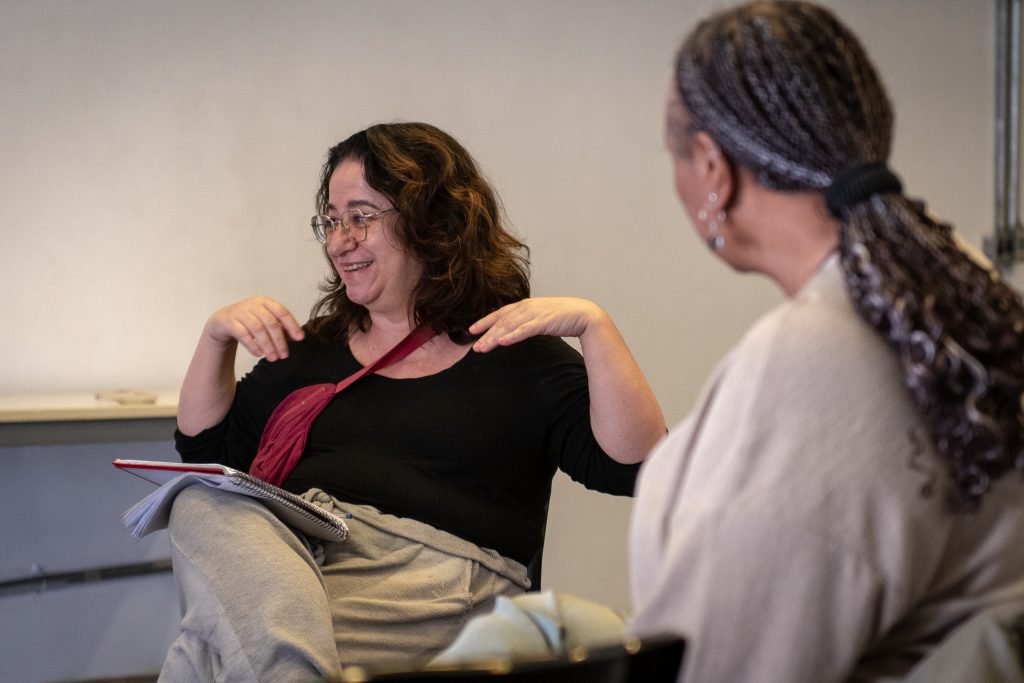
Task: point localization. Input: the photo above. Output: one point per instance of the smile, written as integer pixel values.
(355, 266)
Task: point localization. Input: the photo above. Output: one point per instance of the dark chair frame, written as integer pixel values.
(656, 659)
(533, 569)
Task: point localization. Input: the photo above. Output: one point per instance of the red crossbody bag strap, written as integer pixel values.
(284, 437)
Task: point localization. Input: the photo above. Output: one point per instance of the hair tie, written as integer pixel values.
(858, 183)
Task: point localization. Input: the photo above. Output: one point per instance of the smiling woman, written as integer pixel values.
(377, 272)
(429, 291)
(449, 219)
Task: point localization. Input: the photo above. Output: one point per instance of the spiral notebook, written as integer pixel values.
(153, 512)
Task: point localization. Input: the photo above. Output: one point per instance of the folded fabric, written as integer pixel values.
(987, 647)
(534, 625)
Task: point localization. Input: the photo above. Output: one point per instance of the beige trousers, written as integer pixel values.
(262, 603)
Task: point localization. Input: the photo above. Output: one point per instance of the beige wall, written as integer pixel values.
(158, 160)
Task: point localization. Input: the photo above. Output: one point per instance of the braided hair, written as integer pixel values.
(788, 92)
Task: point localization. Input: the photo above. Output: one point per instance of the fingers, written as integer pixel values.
(484, 323)
(261, 333)
(503, 327)
(261, 325)
(560, 317)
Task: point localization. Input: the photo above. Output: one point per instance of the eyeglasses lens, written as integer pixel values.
(353, 223)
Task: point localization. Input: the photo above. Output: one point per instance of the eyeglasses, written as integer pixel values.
(353, 221)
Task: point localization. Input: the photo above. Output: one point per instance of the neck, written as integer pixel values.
(794, 268)
(788, 235)
(385, 330)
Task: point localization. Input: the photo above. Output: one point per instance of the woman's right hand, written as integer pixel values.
(260, 324)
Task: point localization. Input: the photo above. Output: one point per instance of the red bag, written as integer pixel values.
(284, 437)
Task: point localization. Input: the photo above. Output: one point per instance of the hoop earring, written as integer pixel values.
(715, 240)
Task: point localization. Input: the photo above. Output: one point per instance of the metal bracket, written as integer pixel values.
(1005, 246)
(41, 581)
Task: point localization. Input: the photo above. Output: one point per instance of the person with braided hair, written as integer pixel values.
(847, 490)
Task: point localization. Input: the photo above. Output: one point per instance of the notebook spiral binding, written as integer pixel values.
(313, 512)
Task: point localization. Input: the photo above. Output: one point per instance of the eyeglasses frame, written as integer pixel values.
(346, 228)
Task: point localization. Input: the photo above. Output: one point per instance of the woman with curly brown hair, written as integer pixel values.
(848, 489)
(441, 461)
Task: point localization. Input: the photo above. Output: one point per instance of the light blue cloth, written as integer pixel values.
(986, 649)
(534, 625)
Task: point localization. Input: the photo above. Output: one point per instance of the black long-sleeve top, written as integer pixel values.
(470, 450)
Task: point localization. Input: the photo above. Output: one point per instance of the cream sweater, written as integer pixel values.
(781, 528)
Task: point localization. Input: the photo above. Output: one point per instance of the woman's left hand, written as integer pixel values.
(549, 316)
(624, 413)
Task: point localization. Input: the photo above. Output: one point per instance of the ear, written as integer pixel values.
(714, 170)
